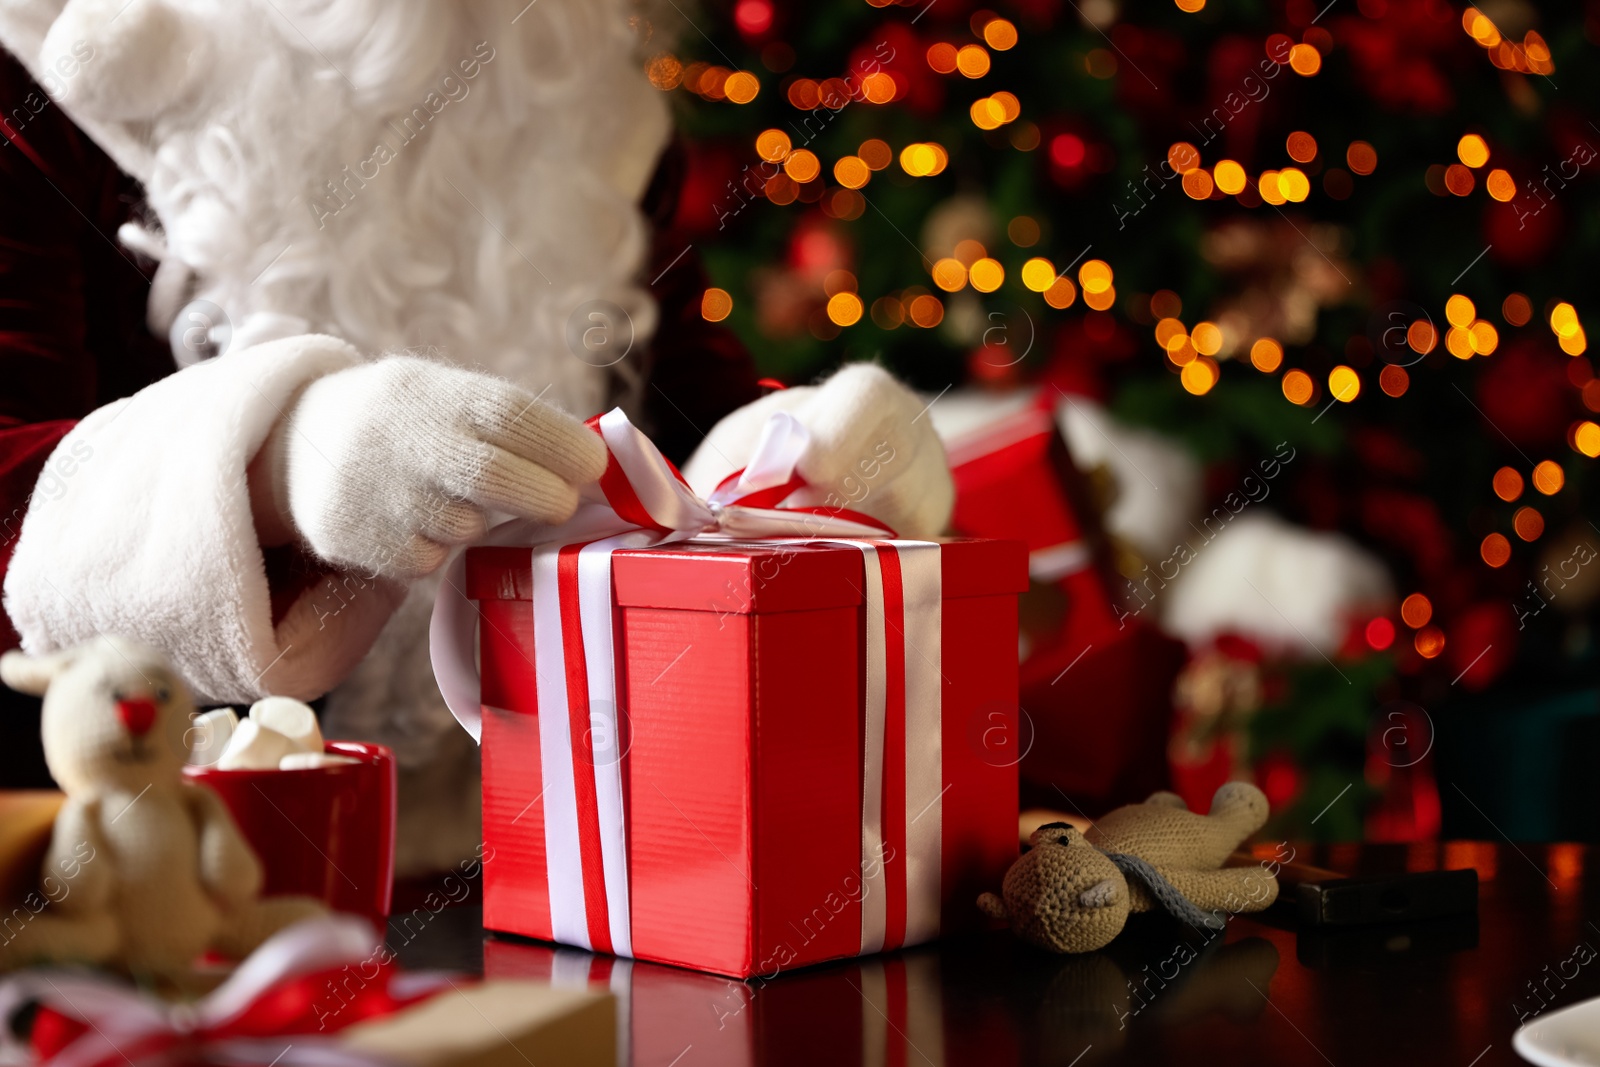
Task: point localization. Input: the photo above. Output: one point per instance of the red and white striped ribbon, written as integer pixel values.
(642, 501)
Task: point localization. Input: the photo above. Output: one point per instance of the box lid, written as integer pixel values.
(749, 578)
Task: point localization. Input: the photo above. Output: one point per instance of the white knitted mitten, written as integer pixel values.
(873, 449)
(384, 466)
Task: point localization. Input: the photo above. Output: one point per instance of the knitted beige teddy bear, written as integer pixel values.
(1073, 892)
(144, 869)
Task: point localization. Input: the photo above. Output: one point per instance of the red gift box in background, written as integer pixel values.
(740, 668)
(1096, 685)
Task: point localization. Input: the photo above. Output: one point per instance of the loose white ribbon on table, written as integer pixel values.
(641, 501)
(267, 1012)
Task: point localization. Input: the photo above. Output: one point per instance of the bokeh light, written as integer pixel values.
(1507, 484)
(1416, 610)
(715, 304)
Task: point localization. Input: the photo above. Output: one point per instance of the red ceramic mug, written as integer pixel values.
(324, 832)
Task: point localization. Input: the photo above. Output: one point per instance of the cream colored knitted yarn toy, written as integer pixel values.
(144, 869)
(1073, 892)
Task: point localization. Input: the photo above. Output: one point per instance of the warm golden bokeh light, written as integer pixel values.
(1564, 320)
(1507, 484)
(1197, 183)
(772, 145)
(844, 309)
(1168, 332)
(1293, 184)
(802, 165)
(1528, 523)
(918, 160)
(949, 274)
(879, 87)
(1207, 338)
(942, 58)
(1061, 293)
(1422, 337)
(1483, 337)
(1416, 610)
(1361, 158)
(1266, 355)
(1429, 641)
(1198, 376)
(715, 305)
(1095, 276)
(1298, 387)
(1101, 301)
(741, 87)
(1302, 146)
(1393, 380)
(1472, 150)
(1183, 157)
(1458, 179)
(1267, 186)
(1495, 550)
(1459, 310)
(972, 60)
(1000, 34)
(986, 275)
(1500, 185)
(926, 311)
(987, 114)
(1229, 176)
(1548, 477)
(665, 71)
(852, 172)
(1344, 383)
(1305, 60)
(1458, 342)
(1586, 438)
(1038, 274)
(875, 154)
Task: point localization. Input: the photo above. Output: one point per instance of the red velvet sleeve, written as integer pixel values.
(71, 301)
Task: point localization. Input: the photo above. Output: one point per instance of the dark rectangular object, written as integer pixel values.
(1324, 898)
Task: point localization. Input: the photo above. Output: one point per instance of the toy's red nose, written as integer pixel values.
(137, 715)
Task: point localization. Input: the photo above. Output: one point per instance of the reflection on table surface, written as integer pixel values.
(1442, 992)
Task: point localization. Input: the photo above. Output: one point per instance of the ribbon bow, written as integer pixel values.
(282, 1005)
(640, 501)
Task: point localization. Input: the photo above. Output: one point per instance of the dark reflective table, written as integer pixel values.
(1445, 992)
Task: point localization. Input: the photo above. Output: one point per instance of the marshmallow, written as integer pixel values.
(292, 719)
(209, 735)
(307, 761)
(254, 747)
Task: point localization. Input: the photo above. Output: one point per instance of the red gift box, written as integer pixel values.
(1095, 682)
(743, 754)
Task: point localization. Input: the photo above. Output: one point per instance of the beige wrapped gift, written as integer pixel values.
(507, 1023)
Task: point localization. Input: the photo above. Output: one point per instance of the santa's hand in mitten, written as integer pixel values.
(872, 449)
(385, 466)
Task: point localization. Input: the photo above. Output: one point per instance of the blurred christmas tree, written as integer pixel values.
(1363, 227)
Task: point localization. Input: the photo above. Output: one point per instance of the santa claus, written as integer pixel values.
(300, 295)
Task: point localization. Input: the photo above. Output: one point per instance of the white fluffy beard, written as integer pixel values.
(451, 176)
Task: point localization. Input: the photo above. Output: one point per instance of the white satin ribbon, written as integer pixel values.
(121, 1017)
